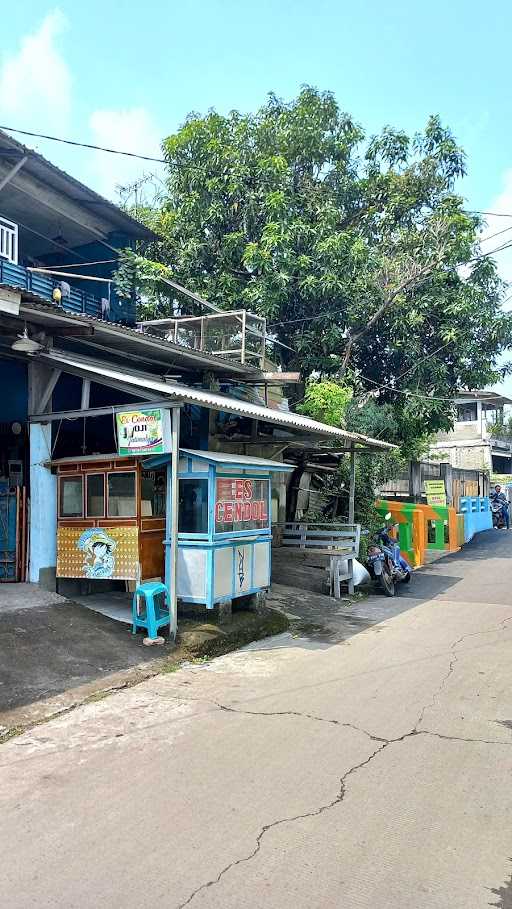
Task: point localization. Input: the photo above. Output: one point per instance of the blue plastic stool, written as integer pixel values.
(154, 616)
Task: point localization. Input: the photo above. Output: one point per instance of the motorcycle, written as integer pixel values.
(385, 563)
(498, 515)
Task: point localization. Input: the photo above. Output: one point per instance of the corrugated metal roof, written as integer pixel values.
(202, 398)
(223, 457)
(177, 354)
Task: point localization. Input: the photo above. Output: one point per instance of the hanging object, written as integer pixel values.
(27, 345)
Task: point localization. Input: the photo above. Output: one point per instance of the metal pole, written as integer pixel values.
(352, 488)
(172, 533)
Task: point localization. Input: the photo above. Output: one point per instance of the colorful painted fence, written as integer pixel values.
(424, 528)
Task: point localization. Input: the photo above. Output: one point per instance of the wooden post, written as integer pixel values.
(244, 322)
(352, 487)
(172, 523)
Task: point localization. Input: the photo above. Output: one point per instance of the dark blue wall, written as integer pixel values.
(120, 310)
(13, 391)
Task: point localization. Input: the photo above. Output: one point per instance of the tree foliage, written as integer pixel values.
(357, 249)
(326, 402)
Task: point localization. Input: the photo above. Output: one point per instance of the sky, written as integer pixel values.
(127, 74)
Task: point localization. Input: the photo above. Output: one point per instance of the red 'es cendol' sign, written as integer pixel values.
(241, 501)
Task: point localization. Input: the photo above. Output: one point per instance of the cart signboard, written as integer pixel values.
(241, 503)
(435, 490)
(144, 432)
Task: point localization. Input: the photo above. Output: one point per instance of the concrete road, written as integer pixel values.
(367, 774)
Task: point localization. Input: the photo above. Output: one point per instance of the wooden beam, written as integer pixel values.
(98, 411)
(352, 486)
(12, 173)
(48, 390)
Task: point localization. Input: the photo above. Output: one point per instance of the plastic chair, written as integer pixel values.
(154, 616)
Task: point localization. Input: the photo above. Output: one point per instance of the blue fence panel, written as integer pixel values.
(15, 275)
(477, 515)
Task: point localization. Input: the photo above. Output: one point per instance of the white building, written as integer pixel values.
(475, 442)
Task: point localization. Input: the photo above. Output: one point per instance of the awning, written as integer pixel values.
(144, 386)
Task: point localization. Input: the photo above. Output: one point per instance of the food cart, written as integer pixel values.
(111, 518)
(224, 524)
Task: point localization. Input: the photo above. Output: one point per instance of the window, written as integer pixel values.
(71, 497)
(241, 503)
(95, 495)
(153, 494)
(193, 506)
(121, 495)
(467, 413)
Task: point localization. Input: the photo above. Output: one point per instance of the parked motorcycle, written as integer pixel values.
(385, 563)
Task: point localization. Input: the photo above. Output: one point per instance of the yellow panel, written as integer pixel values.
(98, 553)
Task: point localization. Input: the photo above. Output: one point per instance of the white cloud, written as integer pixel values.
(498, 230)
(130, 130)
(35, 82)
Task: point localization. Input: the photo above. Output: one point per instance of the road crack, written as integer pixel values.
(285, 820)
(453, 663)
(307, 716)
(342, 790)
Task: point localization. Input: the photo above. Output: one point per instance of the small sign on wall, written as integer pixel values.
(435, 490)
(145, 431)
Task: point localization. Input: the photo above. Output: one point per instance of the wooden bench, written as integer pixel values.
(339, 542)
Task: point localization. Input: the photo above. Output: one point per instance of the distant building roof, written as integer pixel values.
(486, 396)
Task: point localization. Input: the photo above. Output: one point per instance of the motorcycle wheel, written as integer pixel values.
(387, 583)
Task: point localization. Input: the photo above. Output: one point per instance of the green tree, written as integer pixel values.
(351, 246)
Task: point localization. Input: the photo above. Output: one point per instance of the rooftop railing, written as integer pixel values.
(236, 334)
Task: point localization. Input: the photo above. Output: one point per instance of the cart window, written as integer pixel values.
(121, 495)
(95, 485)
(71, 497)
(193, 506)
(153, 494)
(241, 503)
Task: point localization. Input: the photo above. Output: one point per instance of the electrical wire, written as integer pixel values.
(405, 391)
(129, 154)
(111, 151)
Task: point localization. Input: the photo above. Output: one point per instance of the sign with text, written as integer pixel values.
(146, 431)
(435, 491)
(241, 504)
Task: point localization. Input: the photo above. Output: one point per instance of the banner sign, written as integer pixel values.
(241, 501)
(144, 431)
(435, 491)
(98, 553)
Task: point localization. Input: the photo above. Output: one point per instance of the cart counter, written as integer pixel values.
(224, 525)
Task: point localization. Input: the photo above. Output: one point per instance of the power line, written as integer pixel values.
(111, 151)
(129, 154)
(405, 391)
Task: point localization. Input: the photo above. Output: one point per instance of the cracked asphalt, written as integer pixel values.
(372, 771)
